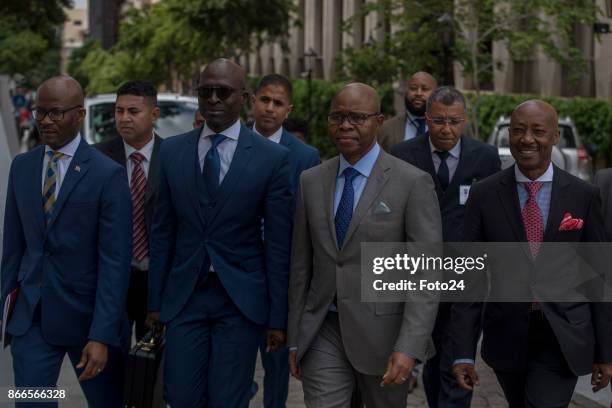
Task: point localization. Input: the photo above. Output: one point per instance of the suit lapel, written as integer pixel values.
(33, 187)
(241, 158)
(508, 196)
(375, 183)
(153, 170)
(77, 169)
(425, 162)
(557, 202)
(400, 129)
(285, 139)
(117, 151)
(191, 169)
(329, 187)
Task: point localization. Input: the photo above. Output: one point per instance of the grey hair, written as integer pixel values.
(446, 95)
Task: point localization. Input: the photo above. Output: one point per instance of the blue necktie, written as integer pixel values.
(443, 174)
(344, 213)
(421, 128)
(212, 165)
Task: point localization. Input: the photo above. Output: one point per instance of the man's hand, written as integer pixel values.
(294, 369)
(275, 339)
(152, 319)
(399, 369)
(466, 376)
(601, 376)
(93, 358)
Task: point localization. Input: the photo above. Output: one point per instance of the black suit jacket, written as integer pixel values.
(115, 149)
(603, 179)
(476, 162)
(584, 330)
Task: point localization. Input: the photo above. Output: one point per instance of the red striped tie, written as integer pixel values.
(138, 186)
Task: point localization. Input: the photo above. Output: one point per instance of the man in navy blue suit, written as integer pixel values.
(271, 106)
(68, 248)
(213, 280)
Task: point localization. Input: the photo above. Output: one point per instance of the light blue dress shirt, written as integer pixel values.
(364, 166)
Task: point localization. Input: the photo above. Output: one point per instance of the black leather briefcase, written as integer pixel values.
(141, 381)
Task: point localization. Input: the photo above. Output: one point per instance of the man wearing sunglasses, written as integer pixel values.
(67, 251)
(363, 195)
(454, 162)
(214, 282)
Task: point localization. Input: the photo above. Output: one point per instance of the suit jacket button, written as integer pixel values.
(340, 264)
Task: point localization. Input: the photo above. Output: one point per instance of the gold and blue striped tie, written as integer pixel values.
(49, 195)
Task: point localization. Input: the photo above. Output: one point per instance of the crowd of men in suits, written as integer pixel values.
(239, 240)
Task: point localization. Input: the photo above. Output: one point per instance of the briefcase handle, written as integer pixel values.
(153, 339)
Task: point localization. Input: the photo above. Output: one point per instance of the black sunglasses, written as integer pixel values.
(222, 92)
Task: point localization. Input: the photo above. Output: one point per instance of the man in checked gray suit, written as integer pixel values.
(335, 340)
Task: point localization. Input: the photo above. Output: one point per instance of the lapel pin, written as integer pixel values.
(77, 168)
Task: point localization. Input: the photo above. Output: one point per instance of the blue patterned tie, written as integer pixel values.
(443, 173)
(344, 213)
(212, 165)
(421, 128)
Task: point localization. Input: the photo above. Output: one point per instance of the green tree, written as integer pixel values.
(432, 35)
(29, 42)
(172, 39)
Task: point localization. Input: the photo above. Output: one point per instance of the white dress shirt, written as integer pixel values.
(146, 151)
(63, 163)
(274, 137)
(226, 148)
(452, 161)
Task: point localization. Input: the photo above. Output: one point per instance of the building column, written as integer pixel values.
(332, 36)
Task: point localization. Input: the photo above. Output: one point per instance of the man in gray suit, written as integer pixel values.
(335, 340)
(410, 123)
(603, 179)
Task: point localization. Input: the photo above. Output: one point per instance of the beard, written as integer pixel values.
(414, 111)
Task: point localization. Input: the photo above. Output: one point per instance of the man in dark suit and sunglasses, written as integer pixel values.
(213, 281)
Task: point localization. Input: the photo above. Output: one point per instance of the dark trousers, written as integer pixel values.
(37, 364)
(441, 387)
(137, 302)
(276, 375)
(211, 349)
(547, 382)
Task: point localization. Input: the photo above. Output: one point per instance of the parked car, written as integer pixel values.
(569, 154)
(176, 116)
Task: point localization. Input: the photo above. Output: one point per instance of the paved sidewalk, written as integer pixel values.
(487, 395)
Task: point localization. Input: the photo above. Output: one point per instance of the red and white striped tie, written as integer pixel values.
(138, 186)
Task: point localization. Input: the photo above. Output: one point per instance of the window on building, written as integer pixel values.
(77, 22)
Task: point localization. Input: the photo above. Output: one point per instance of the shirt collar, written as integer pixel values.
(521, 178)
(70, 148)
(231, 132)
(146, 150)
(455, 151)
(411, 118)
(365, 165)
(274, 137)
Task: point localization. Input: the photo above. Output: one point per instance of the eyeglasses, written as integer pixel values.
(444, 121)
(354, 118)
(222, 92)
(54, 114)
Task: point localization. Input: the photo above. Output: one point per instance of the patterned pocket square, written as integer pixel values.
(570, 224)
(381, 208)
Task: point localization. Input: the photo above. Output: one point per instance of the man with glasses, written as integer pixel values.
(363, 195)
(454, 162)
(67, 252)
(214, 281)
(411, 123)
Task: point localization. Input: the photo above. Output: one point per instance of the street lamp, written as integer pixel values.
(310, 53)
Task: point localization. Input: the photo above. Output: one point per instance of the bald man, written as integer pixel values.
(68, 216)
(411, 123)
(362, 195)
(214, 281)
(537, 349)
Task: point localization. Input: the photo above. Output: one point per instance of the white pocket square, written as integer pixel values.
(381, 208)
